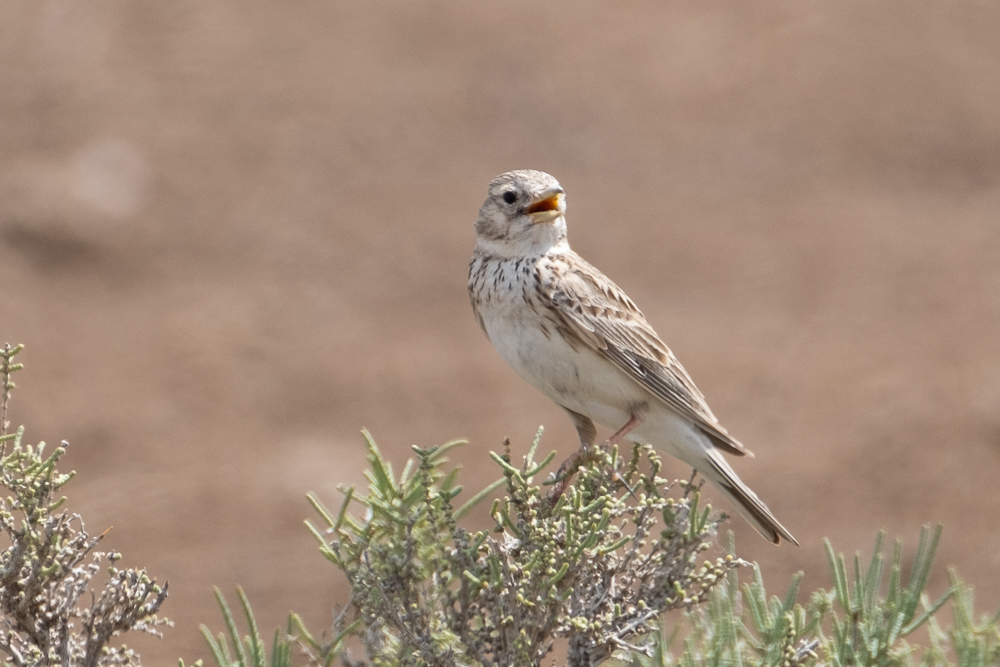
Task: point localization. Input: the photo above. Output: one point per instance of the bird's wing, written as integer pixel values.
(606, 319)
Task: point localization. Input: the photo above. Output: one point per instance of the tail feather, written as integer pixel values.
(744, 499)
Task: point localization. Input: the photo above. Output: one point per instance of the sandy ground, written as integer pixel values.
(234, 233)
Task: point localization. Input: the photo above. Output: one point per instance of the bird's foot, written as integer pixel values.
(621, 480)
(567, 469)
(616, 476)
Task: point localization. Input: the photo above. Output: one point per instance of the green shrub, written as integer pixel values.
(597, 568)
(50, 612)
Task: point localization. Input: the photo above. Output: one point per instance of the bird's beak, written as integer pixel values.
(546, 208)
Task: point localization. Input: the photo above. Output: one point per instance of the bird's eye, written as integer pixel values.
(510, 197)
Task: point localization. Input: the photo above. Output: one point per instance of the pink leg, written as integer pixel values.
(634, 421)
(569, 465)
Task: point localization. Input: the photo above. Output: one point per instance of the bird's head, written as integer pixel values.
(524, 214)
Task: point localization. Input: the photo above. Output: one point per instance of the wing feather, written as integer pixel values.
(606, 319)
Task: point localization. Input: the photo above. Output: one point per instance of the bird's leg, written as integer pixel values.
(587, 431)
(584, 428)
(636, 418)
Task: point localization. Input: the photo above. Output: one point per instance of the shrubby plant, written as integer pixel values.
(592, 566)
(51, 611)
(863, 620)
(597, 567)
(249, 651)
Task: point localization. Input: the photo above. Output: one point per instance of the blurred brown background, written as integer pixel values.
(234, 233)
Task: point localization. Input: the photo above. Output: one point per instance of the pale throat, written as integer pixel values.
(540, 239)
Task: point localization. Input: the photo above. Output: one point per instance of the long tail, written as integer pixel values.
(716, 470)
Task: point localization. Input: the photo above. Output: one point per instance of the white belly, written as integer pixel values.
(584, 382)
(578, 379)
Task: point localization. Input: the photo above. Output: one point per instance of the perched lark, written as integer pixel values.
(574, 335)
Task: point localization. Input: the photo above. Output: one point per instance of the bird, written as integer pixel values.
(569, 331)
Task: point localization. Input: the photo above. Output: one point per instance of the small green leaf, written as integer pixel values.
(476, 499)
